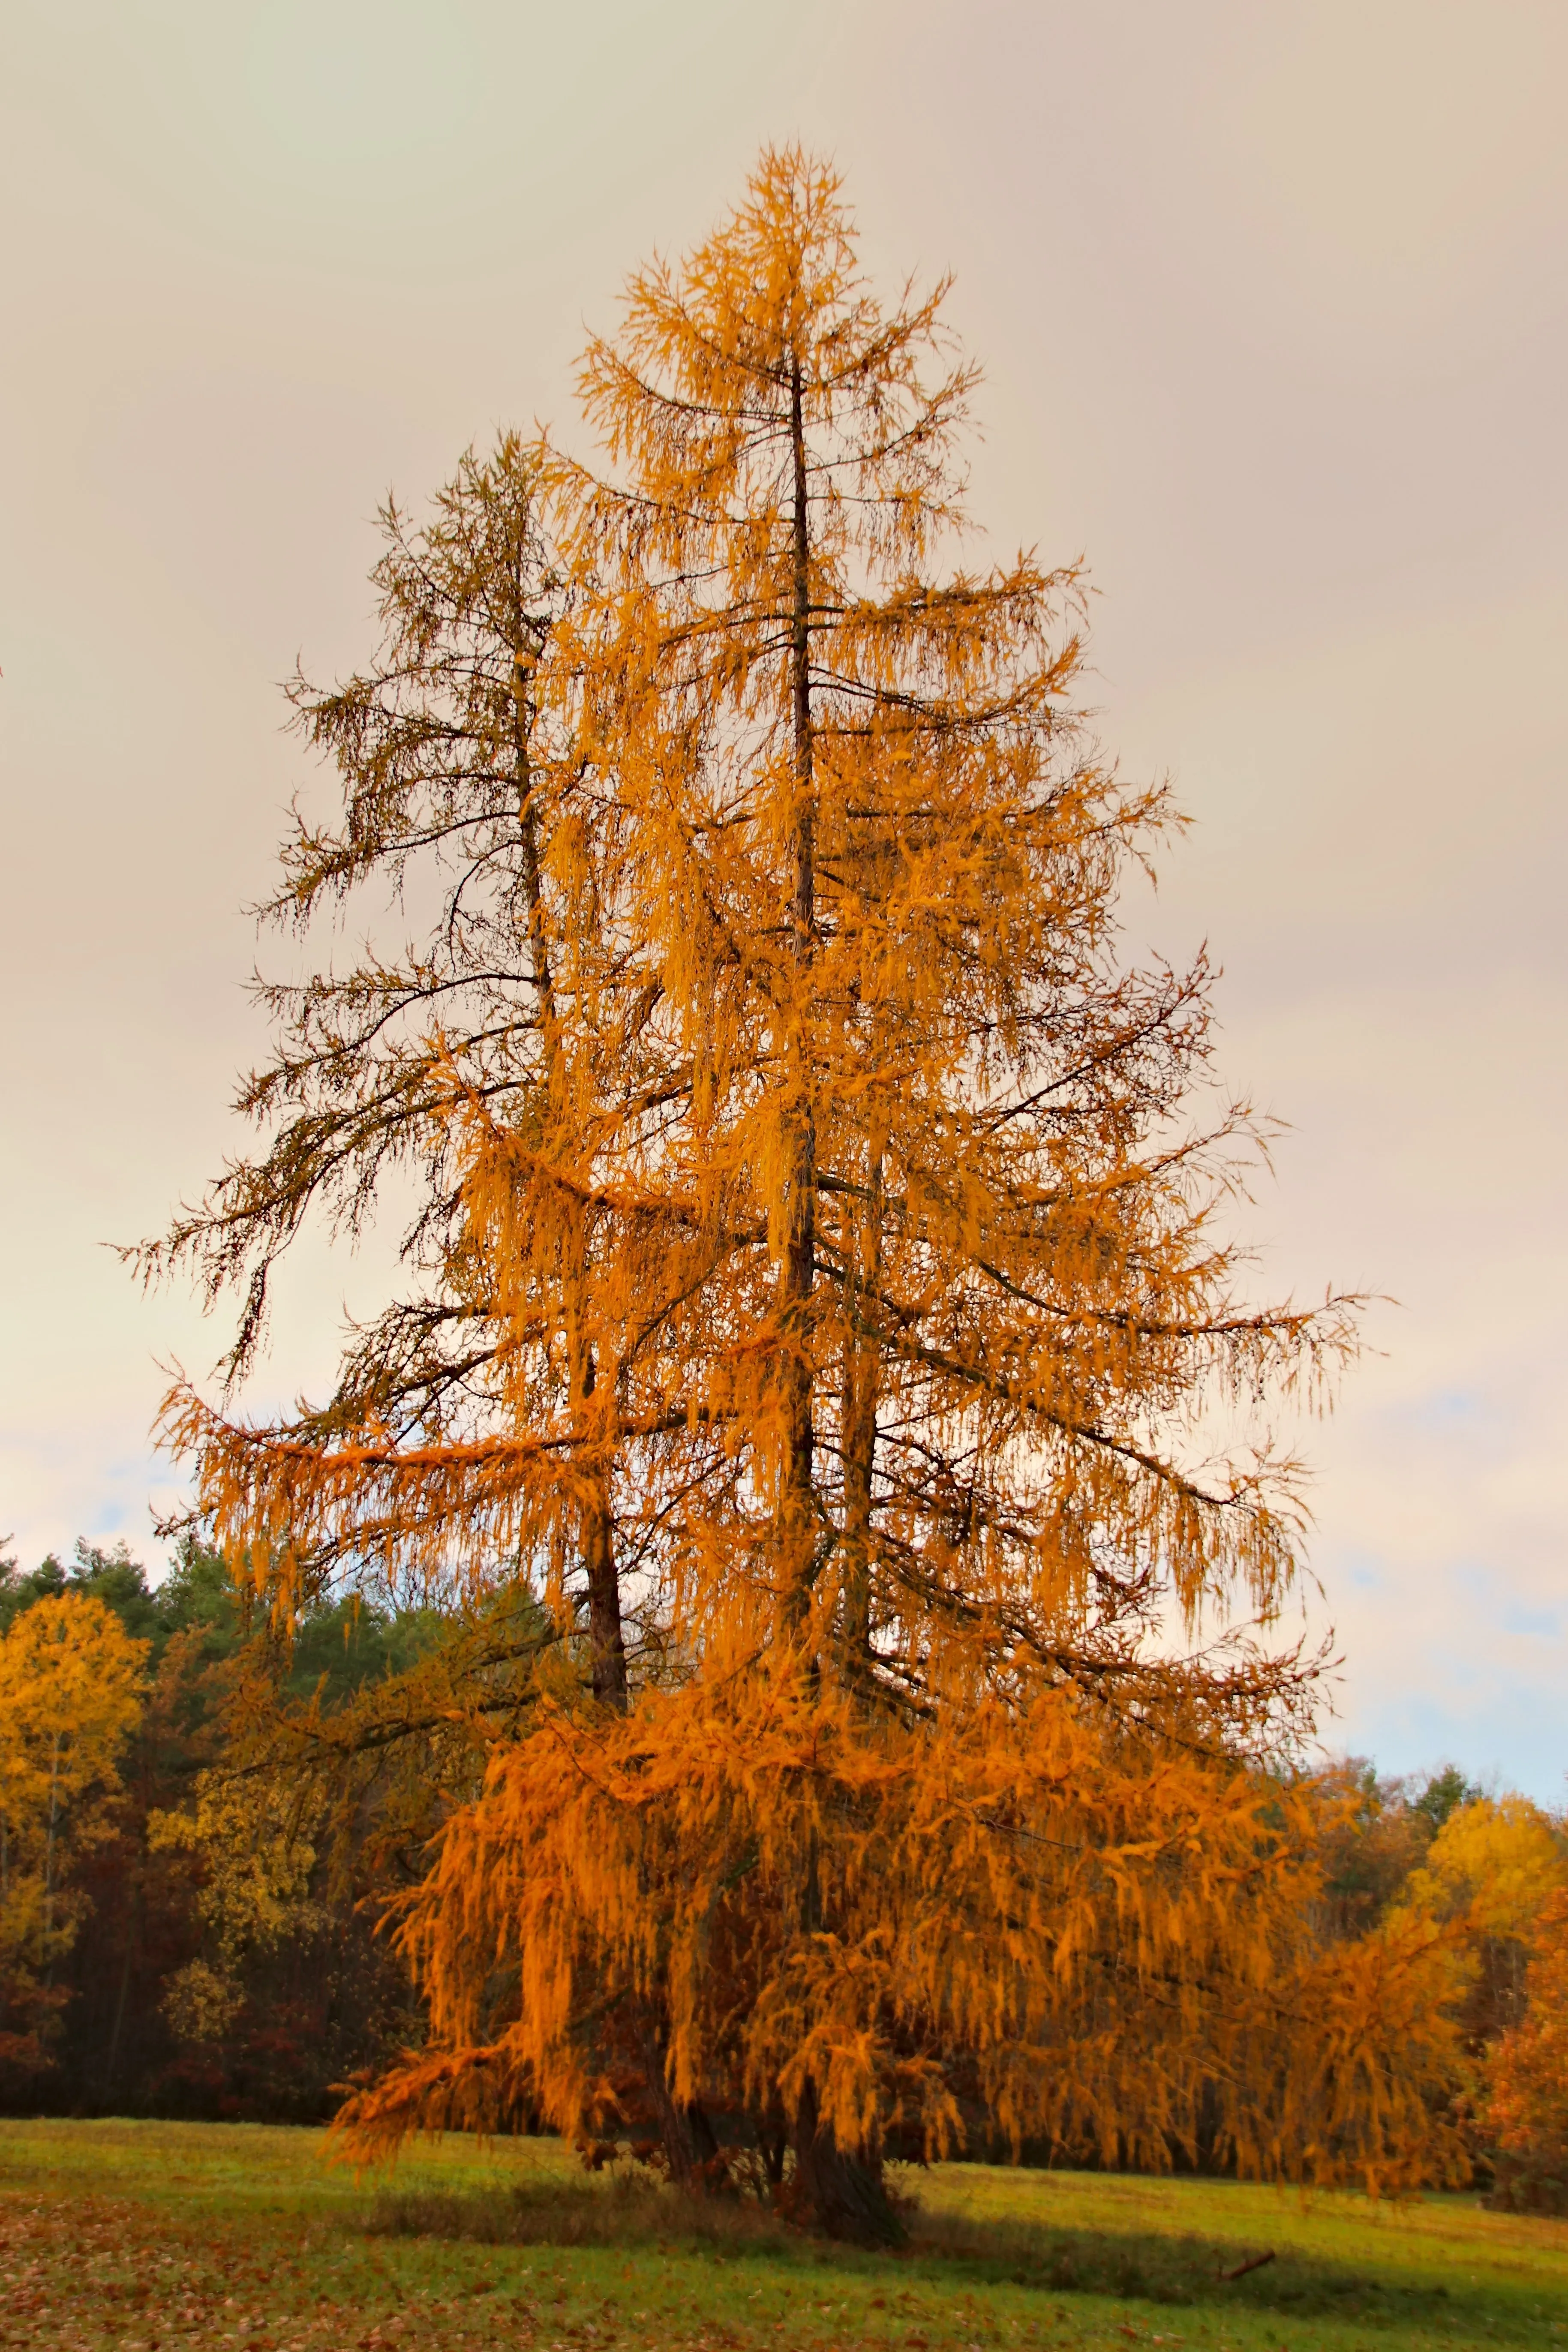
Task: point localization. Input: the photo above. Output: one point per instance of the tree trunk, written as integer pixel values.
(842, 2195)
(859, 1419)
(111, 2065)
(606, 1642)
(798, 1269)
(773, 2145)
(691, 2145)
(50, 1845)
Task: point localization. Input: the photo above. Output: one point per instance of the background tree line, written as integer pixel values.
(187, 1932)
(179, 1934)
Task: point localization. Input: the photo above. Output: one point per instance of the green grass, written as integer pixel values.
(157, 2234)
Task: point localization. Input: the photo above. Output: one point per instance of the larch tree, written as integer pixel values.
(464, 1425)
(828, 1262)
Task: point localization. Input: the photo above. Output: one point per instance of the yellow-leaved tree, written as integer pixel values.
(256, 1862)
(1492, 1868)
(1493, 1862)
(827, 1279)
(70, 1697)
(1526, 2111)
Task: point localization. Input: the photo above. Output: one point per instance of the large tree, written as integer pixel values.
(825, 1268)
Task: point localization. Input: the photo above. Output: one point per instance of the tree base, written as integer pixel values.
(843, 2195)
(692, 2157)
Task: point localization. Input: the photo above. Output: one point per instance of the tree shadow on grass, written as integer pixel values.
(956, 2254)
(1193, 2271)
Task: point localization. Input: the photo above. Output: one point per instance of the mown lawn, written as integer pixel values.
(155, 2236)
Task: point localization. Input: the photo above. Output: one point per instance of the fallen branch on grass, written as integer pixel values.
(1242, 2268)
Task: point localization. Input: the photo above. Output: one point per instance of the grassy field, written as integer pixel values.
(155, 2236)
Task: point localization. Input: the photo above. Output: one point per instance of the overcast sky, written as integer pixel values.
(1271, 303)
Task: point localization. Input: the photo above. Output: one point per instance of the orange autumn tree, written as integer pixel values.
(1526, 2110)
(519, 1014)
(839, 1278)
